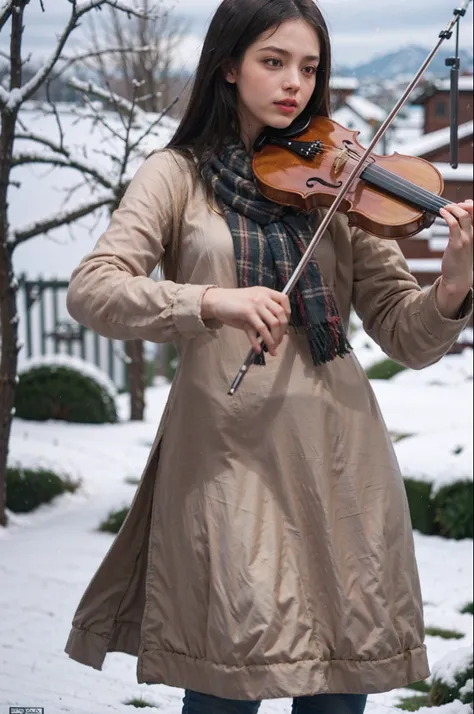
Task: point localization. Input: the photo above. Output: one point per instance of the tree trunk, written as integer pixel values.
(136, 379)
(8, 313)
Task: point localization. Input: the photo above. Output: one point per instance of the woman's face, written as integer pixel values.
(276, 78)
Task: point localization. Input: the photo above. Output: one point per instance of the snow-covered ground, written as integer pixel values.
(48, 557)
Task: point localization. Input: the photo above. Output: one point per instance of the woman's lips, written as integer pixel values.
(286, 108)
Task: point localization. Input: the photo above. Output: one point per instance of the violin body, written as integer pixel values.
(393, 197)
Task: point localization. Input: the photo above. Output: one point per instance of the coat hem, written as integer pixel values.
(297, 679)
(90, 648)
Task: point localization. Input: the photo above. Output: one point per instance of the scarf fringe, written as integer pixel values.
(327, 340)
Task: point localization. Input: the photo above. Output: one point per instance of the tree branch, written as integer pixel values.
(21, 235)
(5, 13)
(95, 54)
(12, 101)
(151, 126)
(90, 88)
(15, 45)
(64, 160)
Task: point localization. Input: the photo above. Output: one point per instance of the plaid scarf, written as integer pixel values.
(269, 241)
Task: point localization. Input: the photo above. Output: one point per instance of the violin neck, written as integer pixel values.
(399, 187)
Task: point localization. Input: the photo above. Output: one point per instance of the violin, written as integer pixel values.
(393, 196)
(388, 196)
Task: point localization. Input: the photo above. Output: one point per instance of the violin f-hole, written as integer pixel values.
(316, 179)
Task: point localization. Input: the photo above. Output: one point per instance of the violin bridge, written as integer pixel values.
(341, 161)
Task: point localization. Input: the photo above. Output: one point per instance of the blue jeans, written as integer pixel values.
(195, 703)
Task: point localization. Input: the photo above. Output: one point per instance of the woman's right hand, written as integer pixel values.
(256, 311)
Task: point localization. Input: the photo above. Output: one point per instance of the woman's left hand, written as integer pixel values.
(456, 266)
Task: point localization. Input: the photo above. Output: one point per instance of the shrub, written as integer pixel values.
(67, 389)
(171, 361)
(422, 510)
(452, 678)
(445, 634)
(454, 510)
(29, 488)
(412, 704)
(139, 703)
(448, 513)
(114, 521)
(385, 369)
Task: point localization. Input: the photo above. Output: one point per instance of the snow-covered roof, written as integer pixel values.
(345, 83)
(349, 119)
(466, 84)
(411, 116)
(464, 172)
(427, 143)
(366, 109)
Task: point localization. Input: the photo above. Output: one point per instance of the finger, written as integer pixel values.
(454, 227)
(462, 216)
(254, 341)
(276, 327)
(279, 312)
(467, 206)
(262, 329)
(282, 300)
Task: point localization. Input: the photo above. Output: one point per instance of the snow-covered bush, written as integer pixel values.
(452, 678)
(420, 501)
(29, 488)
(448, 512)
(65, 388)
(438, 474)
(454, 510)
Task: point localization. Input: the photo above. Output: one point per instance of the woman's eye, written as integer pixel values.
(310, 70)
(273, 61)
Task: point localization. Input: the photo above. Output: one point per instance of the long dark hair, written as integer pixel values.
(211, 115)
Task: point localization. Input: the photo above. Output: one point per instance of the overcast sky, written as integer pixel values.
(360, 28)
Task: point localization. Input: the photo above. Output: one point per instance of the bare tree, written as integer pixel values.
(14, 91)
(142, 50)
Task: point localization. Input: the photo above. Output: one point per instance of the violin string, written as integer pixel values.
(398, 182)
(408, 189)
(430, 200)
(435, 202)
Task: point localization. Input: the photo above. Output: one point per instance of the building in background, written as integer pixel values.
(435, 99)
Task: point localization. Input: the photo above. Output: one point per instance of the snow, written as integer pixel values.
(452, 665)
(347, 117)
(365, 109)
(424, 265)
(47, 557)
(466, 84)
(454, 708)
(344, 83)
(450, 457)
(464, 172)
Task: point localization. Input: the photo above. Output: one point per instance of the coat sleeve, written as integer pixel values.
(111, 291)
(401, 317)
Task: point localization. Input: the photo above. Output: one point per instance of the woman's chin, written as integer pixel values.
(280, 122)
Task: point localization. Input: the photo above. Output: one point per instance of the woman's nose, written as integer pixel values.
(292, 80)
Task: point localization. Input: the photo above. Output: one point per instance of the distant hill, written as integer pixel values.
(405, 61)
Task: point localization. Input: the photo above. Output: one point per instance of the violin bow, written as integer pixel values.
(446, 34)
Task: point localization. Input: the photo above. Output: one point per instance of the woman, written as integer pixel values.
(268, 552)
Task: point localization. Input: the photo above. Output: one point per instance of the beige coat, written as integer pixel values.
(268, 551)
